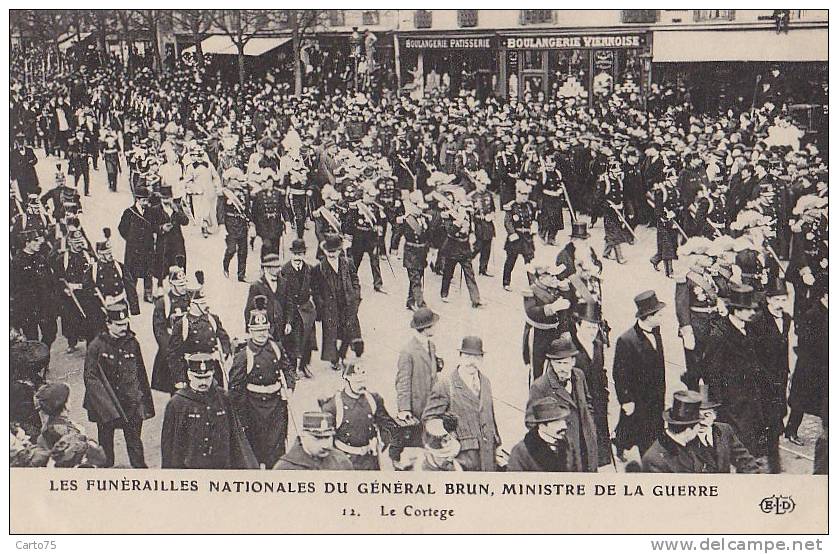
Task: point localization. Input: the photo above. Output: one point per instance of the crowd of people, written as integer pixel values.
(738, 201)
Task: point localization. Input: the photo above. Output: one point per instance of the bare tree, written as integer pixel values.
(302, 23)
(198, 23)
(241, 26)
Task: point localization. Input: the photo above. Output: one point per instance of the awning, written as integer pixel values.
(763, 45)
(221, 44)
(66, 43)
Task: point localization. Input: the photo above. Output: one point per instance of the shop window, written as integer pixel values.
(676, 16)
(535, 17)
(715, 15)
(337, 18)
(423, 19)
(369, 17)
(639, 16)
(467, 18)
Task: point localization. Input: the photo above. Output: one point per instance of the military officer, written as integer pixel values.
(80, 309)
(298, 200)
(551, 189)
(415, 225)
(200, 427)
(328, 217)
(268, 216)
(236, 220)
(361, 418)
(31, 290)
(112, 282)
(365, 223)
(457, 250)
(168, 309)
(261, 382)
(314, 448)
(520, 225)
(484, 225)
(507, 169)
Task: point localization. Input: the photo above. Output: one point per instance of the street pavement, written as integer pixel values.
(385, 323)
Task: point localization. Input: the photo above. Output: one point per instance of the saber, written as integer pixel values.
(387, 259)
(622, 219)
(776, 258)
(75, 300)
(680, 230)
(569, 205)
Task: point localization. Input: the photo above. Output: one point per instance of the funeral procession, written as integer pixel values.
(419, 240)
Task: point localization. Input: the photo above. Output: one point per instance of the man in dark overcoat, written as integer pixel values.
(269, 286)
(640, 377)
(168, 221)
(298, 307)
(138, 230)
(544, 447)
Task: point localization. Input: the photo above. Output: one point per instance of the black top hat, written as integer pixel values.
(545, 410)
(708, 399)
(423, 318)
(741, 296)
(142, 192)
(776, 287)
(472, 345)
(319, 424)
(117, 313)
(647, 303)
(685, 408)
(202, 363)
(298, 246)
(589, 311)
(561, 348)
(579, 230)
(165, 191)
(332, 243)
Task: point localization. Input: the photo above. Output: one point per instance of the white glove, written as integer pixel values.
(688, 337)
(513, 237)
(628, 408)
(534, 227)
(560, 304)
(287, 328)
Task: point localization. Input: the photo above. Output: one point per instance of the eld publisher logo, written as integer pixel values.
(777, 505)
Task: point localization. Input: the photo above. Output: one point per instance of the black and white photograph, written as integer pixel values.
(399, 241)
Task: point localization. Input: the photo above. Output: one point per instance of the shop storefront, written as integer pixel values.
(451, 62)
(580, 66)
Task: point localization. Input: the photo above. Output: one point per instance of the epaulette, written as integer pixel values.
(508, 205)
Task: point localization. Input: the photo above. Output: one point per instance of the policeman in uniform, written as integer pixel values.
(268, 205)
(200, 427)
(236, 220)
(168, 309)
(551, 188)
(31, 290)
(697, 304)
(314, 448)
(365, 223)
(415, 226)
(519, 222)
(484, 226)
(116, 391)
(361, 418)
(110, 279)
(198, 331)
(80, 309)
(261, 382)
(300, 313)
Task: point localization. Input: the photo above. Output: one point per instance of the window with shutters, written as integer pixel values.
(370, 17)
(467, 18)
(639, 16)
(337, 18)
(715, 15)
(423, 19)
(535, 17)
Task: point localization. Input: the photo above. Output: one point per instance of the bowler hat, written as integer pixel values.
(298, 246)
(685, 407)
(472, 345)
(545, 410)
(647, 303)
(332, 243)
(561, 348)
(423, 318)
(708, 399)
(319, 424)
(741, 296)
(271, 260)
(52, 397)
(579, 230)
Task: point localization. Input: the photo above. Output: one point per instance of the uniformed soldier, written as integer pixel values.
(33, 217)
(110, 279)
(617, 230)
(268, 216)
(201, 429)
(80, 309)
(507, 170)
(299, 311)
(63, 198)
(328, 217)
(198, 331)
(520, 225)
(168, 309)
(314, 448)
(393, 206)
(363, 421)
(116, 392)
(31, 290)
(261, 382)
(297, 198)
(365, 224)
(457, 250)
(468, 162)
(484, 225)
(110, 152)
(667, 205)
(236, 221)
(551, 190)
(415, 225)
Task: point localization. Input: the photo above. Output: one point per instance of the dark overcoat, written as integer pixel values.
(138, 232)
(808, 383)
(337, 297)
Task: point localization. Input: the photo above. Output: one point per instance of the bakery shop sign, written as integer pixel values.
(569, 42)
(448, 43)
